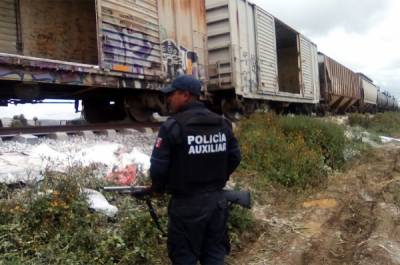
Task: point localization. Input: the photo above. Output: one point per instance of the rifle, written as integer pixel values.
(138, 192)
(241, 198)
(238, 197)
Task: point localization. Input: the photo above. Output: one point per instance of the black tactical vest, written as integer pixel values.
(200, 156)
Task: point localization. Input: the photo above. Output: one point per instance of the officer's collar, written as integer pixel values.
(192, 105)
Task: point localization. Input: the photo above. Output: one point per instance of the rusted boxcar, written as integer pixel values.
(100, 51)
(255, 57)
(340, 86)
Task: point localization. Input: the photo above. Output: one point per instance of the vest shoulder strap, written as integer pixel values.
(193, 117)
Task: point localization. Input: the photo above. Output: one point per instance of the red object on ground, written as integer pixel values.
(126, 176)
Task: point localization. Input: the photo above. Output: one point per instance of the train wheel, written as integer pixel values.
(231, 109)
(138, 110)
(93, 111)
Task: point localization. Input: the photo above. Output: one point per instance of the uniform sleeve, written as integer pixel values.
(160, 159)
(234, 156)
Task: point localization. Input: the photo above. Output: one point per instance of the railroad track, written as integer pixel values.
(43, 131)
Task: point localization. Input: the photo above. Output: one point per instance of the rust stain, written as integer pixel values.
(184, 14)
(185, 5)
(189, 70)
(199, 15)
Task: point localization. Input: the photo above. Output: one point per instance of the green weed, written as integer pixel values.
(293, 151)
(387, 123)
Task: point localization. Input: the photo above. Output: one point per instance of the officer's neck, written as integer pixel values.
(191, 103)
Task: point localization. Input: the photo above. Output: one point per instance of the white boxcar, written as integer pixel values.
(258, 56)
(369, 95)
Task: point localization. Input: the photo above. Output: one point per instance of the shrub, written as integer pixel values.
(387, 123)
(19, 121)
(327, 136)
(241, 227)
(357, 119)
(292, 151)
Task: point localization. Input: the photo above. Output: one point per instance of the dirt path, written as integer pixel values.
(354, 220)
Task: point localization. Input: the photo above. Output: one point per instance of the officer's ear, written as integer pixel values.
(186, 94)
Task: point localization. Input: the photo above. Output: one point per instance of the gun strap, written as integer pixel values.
(154, 216)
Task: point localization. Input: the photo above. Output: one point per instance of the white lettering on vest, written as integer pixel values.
(190, 139)
(206, 144)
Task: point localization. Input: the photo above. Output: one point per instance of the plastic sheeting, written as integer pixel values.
(110, 158)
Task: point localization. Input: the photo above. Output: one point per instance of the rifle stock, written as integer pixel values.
(137, 192)
(241, 198)
(238, 197)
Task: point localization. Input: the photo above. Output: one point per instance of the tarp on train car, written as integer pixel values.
(259, 56)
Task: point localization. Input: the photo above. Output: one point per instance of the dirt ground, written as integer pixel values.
(355, 219)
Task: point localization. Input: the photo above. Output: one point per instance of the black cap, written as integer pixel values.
(184, 83)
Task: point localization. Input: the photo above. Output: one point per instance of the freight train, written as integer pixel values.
(115, 55)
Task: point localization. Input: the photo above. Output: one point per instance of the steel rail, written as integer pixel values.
(45, 130)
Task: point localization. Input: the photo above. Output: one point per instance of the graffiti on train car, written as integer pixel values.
(79, 78)
(128, 41)
(179, 60)
(128, 50)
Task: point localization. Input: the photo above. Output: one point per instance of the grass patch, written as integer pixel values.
(387, 123)
(293, 151)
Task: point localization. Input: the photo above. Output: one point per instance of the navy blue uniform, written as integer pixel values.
(193, 157)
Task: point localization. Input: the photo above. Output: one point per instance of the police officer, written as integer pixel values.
(192, 159)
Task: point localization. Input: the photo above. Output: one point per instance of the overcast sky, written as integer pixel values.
(65, 111)
(364, 35)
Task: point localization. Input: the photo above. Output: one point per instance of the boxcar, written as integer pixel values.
(100, 51)
(254, 56)
(369, 95)
(340, 87)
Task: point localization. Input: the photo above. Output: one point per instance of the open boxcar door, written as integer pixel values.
(266, 52)
(309, 68)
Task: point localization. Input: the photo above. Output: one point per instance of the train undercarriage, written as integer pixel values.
(137, 106)
(234, 107)
(109, 104)
(99, 105)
